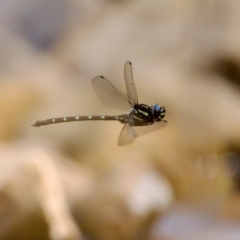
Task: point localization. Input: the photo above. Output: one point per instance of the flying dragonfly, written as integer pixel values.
(140, 120)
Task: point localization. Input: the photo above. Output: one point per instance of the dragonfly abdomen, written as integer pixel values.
(121, 118)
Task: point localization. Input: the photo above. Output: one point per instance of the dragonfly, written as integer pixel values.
(140, 120)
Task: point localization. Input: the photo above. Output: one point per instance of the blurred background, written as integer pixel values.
(72, 181)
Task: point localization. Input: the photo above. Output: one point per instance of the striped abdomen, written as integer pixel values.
(121, 118)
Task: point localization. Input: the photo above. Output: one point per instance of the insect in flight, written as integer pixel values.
(141, 119)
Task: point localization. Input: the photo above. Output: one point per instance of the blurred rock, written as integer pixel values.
(128, 198)
(17, 101)
(32, 196)
(39, 22)
(38, 188)
(187, 223)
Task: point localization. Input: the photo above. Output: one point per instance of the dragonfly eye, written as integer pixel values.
(158, 112)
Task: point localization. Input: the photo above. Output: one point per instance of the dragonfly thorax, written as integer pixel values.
(142, 115)
(158, 112)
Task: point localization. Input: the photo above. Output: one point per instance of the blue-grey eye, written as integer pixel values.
(156, 107)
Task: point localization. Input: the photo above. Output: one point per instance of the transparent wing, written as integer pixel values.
(130, 84)
(142, 130)
(127, 135)
(108, 94)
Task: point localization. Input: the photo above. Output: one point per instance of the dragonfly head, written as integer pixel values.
(158, 112)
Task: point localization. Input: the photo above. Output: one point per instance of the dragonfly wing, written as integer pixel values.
(108, 94)
(142, 130)
(127, 135)
(130, 84)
